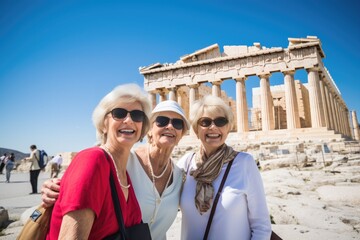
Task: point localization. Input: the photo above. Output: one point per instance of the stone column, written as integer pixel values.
(330, 112)
(348, 128)
(241, 106)
(172, 94)
(216, 89)
(152, 98)
(292, 109)
(180, 99)
(333, 109)
(325, 107)
(316, 106)
(355, 124)
(162, 95)
(193, 95)
(267, 112)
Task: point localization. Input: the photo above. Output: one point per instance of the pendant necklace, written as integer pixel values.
(117, 173)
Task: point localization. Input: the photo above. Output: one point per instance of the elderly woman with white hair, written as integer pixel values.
(156, 179)
(85, 209)
(240, 211)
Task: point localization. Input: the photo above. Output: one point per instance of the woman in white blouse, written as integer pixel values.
(241, 211)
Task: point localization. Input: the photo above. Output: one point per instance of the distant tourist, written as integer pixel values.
(34, 167)
(9, 166)
(55, 164)
(2, 162)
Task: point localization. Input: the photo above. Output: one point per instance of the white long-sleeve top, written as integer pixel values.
(241, 212)
(163, 211)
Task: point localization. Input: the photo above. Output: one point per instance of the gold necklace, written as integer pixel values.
(157, 200)
(117, 173)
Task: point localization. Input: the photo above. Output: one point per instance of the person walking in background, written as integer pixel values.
(34, 168)
(9, 166)
(55, 164)
(2, 162)
(242, 211)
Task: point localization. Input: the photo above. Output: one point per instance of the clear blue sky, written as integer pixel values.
(59, 58)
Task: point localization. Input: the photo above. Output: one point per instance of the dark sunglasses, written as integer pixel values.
(219, 121)
(162, 121)
(121, 113)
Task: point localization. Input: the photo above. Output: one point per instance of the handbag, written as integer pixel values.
(139, 231)
(274, 236)
(37, 226)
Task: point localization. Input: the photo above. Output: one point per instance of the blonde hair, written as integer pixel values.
(126, 93)
(213, 105)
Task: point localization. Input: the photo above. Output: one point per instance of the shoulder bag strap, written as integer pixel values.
(116, 202)
(188, 161)
(217, 199)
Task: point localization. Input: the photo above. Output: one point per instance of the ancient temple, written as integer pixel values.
(293, 110)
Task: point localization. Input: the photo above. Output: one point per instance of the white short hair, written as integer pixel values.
(126, 93)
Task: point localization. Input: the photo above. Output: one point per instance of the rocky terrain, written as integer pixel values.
(311, 194)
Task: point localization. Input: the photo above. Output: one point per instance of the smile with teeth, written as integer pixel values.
(213, 135)
(127, 131)
(168, 135)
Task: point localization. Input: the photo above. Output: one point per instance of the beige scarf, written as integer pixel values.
(208, 169)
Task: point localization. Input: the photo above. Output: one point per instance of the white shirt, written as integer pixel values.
(241, 212)
(164, 211)
(57, 159)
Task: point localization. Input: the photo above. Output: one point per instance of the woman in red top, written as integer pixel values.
(85, 209)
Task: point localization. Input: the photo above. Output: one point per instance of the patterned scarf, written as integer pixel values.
(208, 169)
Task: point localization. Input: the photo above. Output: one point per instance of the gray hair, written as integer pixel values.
(126, 93)
(211, 104)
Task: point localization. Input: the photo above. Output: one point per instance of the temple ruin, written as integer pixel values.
(298, 109)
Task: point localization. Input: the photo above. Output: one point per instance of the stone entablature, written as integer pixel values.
(322, 104)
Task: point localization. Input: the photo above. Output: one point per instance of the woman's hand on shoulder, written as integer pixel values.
(50, 192)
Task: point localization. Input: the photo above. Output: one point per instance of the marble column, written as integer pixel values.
(193, 94)
(292, 109)
(172, 94)
(316, 106)
(348, 128)
(336, 106)
(152, 98)
(333, 109)
(355, 124)
(267, 112)
(323, 99)
(241, 106)
(216, 89)
(330, 112)
(162, 95)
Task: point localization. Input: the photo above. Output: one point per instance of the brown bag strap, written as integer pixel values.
(217, 199)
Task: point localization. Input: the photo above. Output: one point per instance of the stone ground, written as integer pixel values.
(307, 203)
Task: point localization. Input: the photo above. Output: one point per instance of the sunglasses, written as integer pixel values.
(121, 113)
(219, 121)
(162, 121)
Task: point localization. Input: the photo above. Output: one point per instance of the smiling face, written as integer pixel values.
(167, 136)
(123, 132)
(212, 137)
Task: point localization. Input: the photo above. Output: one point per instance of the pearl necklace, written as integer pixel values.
(152, 172)
(157, 200)
(117, 173)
